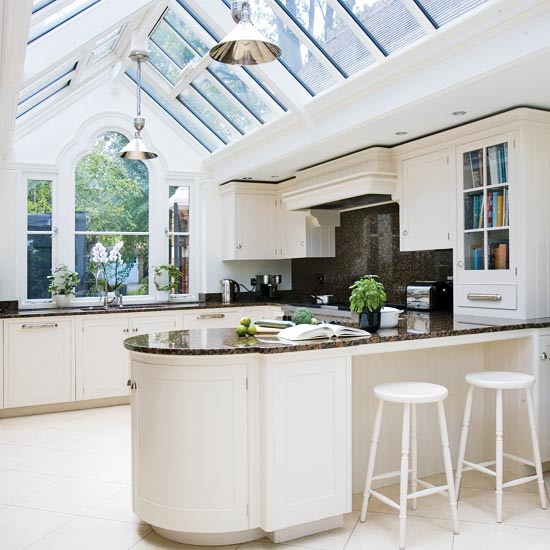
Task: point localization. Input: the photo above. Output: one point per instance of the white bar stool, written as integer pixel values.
(410, 394)
(499, 381)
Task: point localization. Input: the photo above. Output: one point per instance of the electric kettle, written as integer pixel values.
(230, 290)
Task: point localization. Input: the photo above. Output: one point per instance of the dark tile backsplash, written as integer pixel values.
(367, 242)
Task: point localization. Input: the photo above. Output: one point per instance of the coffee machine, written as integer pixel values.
(266, 287)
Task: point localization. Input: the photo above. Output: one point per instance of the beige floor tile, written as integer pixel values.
(15, 485)
(10, 433)
(50, 438)
(85, 533)
(519, 509)
(99, 442)
(114, 468)
(88, 423)
(116, 413)
(153, 541)
(11, 455)
(60, 462)
(265, 544)
(71, 495)
(117, 507)
(480, 536)
(20, 527)
(381, 532)
(335, 539)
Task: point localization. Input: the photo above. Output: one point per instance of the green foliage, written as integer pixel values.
(367, 293)
(302, 316)
(39, 197)
(63, 280)
(168, 273)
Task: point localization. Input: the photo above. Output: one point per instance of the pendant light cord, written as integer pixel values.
(139, 88)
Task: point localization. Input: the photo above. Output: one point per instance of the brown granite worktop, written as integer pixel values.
(133, 308)
(412, 326)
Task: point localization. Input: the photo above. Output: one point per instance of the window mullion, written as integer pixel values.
(421, 15)
(188, 74)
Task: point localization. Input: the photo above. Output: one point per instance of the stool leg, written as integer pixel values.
(404, 478)
(536, 450)
(372, 458)
(448, 463)
(499, 451)
(463, 440)
(414, 454)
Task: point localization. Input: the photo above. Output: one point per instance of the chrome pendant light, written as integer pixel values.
(136, 149)
(244, 45)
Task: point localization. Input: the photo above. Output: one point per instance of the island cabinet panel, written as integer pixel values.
(38, 362)
(190, 469)
(306, 439)
(543, 386)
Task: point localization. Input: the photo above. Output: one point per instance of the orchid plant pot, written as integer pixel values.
(62, 300)
(163, 295)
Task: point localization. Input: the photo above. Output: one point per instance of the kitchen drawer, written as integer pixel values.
(211, 319)
(486, 296)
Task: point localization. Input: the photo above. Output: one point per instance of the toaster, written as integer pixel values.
(430, 295)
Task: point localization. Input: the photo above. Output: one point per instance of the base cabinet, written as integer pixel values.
(38, 362)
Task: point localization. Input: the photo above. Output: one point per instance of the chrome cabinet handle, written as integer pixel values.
(239, 246)
(475, 296)
(302, 243)
(460, 263)
(39, 325)
(544, 356)
(211, 316)
(405, 232)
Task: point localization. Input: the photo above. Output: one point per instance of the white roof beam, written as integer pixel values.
(15, 20)
(68, 38)
(419, 15)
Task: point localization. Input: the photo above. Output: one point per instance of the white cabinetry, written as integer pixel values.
(305, 439)
(543, 385)
(213, 318)
(102, 360)
(250, 222)
(38, 361)
(196, 480)
(427, 202)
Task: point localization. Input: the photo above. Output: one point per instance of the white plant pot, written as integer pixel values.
(163, 295)
(62, 300)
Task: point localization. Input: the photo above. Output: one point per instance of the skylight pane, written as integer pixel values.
(324, 25)
(209, 118)
(40, 97)
(37, 5)
(172, 45)
(389, 22)
(29, 92)
(59, 17)
(443, 11)
(163, 64)
(176, 110)
(186, 33)
(227, 75)
(212, 92)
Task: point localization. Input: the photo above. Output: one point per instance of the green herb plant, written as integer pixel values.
(168, 273)
(63, 280)
(367, 293)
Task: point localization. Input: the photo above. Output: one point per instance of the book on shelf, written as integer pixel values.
(472, 163)
(490, 218)
(321, 331)
(480, 219)
(499, 210)
(468, 211)
(476, 211)
(505, 207)
(477, 257)
(492, 166)
(501, 256)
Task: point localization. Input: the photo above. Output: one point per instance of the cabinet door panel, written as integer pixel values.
(103, 360)
(38, 362)
(543, 386)
(153, 323)
(256, 227)
(197, 481)
(425, 207)
(211, 319)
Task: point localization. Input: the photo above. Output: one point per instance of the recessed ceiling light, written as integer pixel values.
(401, 133)
(247, 178)
(458, 113)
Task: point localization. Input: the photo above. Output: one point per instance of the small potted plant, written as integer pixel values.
(63, 281)
(165, 280)
(367, 298)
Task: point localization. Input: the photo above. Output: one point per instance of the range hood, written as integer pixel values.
(361, 179)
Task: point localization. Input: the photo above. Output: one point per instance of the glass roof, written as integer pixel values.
(323, 44)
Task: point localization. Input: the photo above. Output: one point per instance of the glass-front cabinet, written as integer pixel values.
(485, 184)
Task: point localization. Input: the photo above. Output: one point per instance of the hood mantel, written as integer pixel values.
(352, 178)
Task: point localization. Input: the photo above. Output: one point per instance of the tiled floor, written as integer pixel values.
(65, 485)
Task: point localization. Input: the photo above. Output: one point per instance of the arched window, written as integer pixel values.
(111, 206)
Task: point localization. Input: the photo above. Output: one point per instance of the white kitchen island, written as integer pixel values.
(232, 442)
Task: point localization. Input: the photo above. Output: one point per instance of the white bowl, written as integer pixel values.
(389, 317)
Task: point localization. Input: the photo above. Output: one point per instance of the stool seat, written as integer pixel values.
(500, 380)
(411, 392)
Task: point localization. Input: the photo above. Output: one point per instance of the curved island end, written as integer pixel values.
(238, 438)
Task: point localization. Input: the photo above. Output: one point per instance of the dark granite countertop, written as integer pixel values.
(133, 308)
(412, 326)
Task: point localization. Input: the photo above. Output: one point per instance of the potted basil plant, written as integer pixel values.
(367, 298)
(63, 281)
(165, 280)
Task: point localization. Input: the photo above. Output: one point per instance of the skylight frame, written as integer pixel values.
(49, 28)
(54, 76)
(432, 17)
(41, 4)
(64, 84)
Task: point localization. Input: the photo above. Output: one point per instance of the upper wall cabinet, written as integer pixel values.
(427, 202)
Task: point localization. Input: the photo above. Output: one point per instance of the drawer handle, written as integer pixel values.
(39, 325)
(484, 297)
(211, 316)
